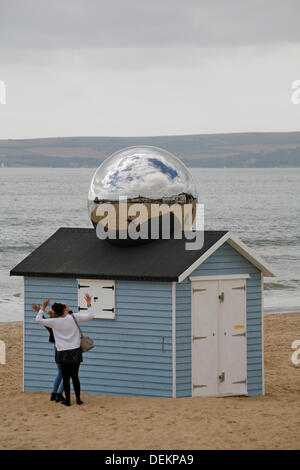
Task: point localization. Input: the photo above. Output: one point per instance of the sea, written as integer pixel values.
(260, 205)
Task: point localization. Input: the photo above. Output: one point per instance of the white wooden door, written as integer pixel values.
(219, 337)
(204, 338)
(232, 338)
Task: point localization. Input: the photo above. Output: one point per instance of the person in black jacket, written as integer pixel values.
(58, 386)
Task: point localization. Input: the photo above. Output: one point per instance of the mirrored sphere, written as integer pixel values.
(143, 175)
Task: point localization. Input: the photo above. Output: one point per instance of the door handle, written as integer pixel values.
(222, 377)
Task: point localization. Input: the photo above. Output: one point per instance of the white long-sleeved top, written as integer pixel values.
(65, 330)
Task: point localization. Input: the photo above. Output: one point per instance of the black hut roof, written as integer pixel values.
(79, 253)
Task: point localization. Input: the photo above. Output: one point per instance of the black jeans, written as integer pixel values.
(70, 370)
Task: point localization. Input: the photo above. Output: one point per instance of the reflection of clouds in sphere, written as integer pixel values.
(141, 171)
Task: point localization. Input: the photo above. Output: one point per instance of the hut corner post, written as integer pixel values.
(174, 338)
(262, 334)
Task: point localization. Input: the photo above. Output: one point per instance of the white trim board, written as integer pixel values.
(202, 258)
(219, 277)
(240, 247)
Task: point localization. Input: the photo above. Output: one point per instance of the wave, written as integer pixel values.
(276, 242)
(283, 285)
(15, 248)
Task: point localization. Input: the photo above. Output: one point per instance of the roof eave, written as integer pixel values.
(93, 276)
(250, 255)
(239, 246)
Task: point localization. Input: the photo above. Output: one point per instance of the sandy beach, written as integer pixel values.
(30, 421)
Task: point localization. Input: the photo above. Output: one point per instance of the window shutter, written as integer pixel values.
(102, 292)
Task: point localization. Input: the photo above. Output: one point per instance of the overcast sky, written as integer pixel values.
(148, 67)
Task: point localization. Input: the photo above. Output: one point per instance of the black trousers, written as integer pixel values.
(70, 370)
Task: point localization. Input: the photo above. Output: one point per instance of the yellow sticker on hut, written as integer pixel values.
(239, 326)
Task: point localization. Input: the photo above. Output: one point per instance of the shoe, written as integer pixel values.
(67, 403)
(53, 397)
(60, 397)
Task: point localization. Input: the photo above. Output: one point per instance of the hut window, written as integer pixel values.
(102, 292)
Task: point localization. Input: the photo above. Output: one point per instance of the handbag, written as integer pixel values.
(86, 342)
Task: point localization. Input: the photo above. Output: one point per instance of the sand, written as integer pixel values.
(30, 421)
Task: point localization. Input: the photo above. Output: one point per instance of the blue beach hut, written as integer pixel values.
(169, 322)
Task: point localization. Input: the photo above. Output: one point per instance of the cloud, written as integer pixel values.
(79, 24)
(148, 67)
(141, 172)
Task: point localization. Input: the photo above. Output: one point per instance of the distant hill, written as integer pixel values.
(241, 150)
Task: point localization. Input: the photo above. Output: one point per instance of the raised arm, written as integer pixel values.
(89, 315)
(40, 311)
(44, 321)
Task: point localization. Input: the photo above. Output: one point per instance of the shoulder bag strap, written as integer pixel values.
(81, 335)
